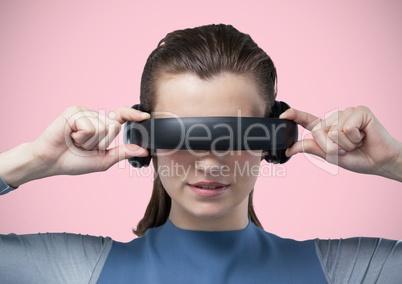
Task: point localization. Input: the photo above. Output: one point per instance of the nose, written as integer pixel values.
(209, 164)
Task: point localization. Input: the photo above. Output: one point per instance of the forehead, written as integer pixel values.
(226, 94)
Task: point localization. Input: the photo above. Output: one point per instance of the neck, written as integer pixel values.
(236, 219)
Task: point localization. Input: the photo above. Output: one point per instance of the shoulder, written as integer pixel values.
(52, 244)
(58, 255)
(358, 260)
(284, 243)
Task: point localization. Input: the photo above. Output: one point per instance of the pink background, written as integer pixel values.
(329, 56)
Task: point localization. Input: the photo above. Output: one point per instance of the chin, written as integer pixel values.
(210, 211)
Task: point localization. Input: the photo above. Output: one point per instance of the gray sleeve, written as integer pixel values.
(361, 260)
(4, 187)
(52, 258)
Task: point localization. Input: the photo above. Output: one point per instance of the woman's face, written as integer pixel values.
(209, 190)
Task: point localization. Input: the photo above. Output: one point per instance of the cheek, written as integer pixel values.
(173, 158)
(165, 173)
(172, 168)
(244, 158)
(246, 167)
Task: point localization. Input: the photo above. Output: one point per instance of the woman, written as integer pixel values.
(200, 225)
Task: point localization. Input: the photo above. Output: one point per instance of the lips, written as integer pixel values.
(208, 189)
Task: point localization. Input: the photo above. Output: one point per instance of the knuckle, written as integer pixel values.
(73, 109)
(348, 128)
(334, 128)
(119, 110)
(362, 108)
(111, 115)
(90, 131)
(333, 134)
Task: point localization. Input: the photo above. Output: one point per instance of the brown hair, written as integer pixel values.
(204, 51)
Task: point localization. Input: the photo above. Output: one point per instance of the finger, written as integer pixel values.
(331, 121)
(324, 142)
(83, 129)
(100, 132)
(305, 119)
(81, 126)
(339, 138)
(352, 125)
(107, 130)
(124, 114)
(354, 134)
(113, 129)
(338, 134)
(342, 133)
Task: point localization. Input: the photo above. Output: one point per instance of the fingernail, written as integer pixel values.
(135, 149)
(145, 115)
(132, 147)
(341, 152)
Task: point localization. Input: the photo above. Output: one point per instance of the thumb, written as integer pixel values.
(120, 153)
(306, 146)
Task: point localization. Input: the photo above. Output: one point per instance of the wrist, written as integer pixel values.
(19, 166)
(394, 168)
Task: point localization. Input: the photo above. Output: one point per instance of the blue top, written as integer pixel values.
(168, 254)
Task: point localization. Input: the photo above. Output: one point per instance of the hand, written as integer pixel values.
(353, 139)
(77, 142)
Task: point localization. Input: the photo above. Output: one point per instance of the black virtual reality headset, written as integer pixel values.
(218, 133)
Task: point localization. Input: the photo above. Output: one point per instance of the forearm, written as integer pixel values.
(18, 166)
